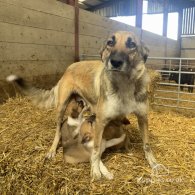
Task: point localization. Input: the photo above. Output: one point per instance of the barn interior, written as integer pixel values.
(38, 41)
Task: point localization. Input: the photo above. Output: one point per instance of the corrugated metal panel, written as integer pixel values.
(188, 23)
(156, 6)
(118, 8)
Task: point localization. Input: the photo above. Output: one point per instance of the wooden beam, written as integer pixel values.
(71, 2)
(139, 7)
(76, 6)
(165, 18)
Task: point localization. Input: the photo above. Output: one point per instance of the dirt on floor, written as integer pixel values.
(27, 133)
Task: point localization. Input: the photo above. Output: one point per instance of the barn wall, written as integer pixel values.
(37, 39)
(188, 47)
(94, 29)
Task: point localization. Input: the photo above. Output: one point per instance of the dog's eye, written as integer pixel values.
(110, 43)
(130, 44)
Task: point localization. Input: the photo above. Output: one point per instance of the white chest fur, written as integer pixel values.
(115, 106)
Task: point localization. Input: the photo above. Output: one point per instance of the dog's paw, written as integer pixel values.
(95, 174)
(159, 170)
(50, 154)
(108, 175)
(105, 171)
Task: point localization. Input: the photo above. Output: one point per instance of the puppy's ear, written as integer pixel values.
(144, 51)
(125, 121)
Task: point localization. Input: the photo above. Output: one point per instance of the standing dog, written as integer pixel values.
(115, 87)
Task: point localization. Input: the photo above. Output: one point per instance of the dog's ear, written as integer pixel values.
(102, 50)
(144, 51)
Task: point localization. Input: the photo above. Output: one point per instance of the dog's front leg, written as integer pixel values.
(97, 167)
(143, 126)
(96, 152)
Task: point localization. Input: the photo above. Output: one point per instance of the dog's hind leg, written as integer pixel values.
(61, 108)
(52, 151)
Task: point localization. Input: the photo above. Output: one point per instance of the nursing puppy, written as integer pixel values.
(72, 120)
(113, 88)
(81, 151)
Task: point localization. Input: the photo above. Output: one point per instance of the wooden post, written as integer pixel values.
(76, 27)
(165, 18)
(76, 31)
(139, 7)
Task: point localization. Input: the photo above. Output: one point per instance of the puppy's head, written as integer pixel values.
(75, 107)
(87, 130)
(123, 51)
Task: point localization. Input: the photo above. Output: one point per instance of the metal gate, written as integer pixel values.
(176, 89)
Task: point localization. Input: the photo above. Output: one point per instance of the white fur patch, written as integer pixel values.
(89, 144)
(11, 78)
(73, 122)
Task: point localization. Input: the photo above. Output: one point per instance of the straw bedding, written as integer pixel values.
(27, 133)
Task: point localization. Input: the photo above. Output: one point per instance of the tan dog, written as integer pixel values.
(112, 88)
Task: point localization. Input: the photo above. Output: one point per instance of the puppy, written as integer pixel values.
(82, 150)
(72, 120)
(113, 134)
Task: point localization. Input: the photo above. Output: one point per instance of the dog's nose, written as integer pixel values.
(116, 63)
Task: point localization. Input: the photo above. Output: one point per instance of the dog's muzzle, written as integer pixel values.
(116, 63)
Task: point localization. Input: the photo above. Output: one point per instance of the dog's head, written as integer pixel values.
(123, 51)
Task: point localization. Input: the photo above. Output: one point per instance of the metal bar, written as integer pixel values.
(182, 72)
(176, 85)
(183, 65)
(168, 91)
(151, 58)
(173, 99)
(165, 17)
(171, 71)
(166, 105)
(168, 58)
(139, 7)
(180, 25)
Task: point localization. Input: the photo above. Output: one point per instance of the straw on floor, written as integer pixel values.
(27, 133)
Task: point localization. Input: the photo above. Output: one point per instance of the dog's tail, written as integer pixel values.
(40, 97)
